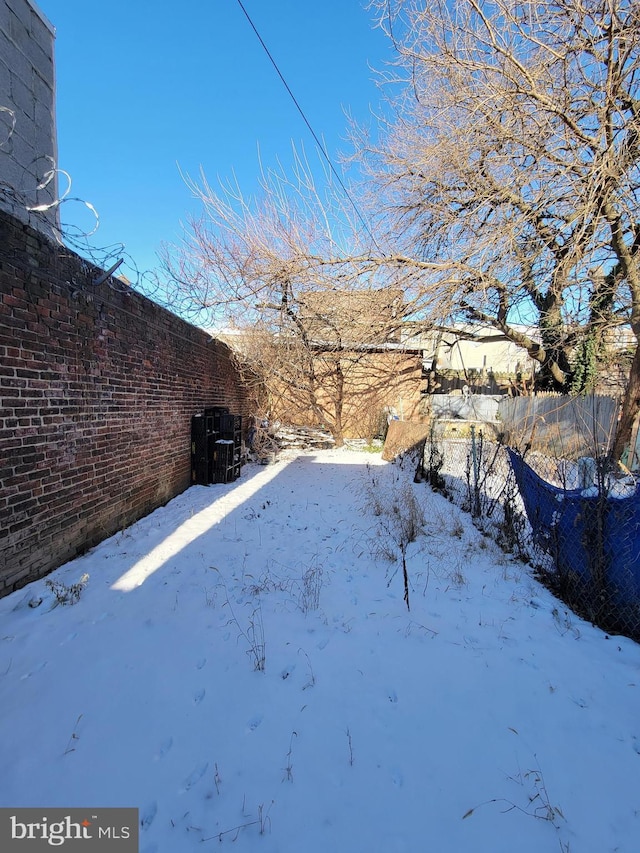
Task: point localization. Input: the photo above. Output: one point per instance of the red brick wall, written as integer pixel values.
(98, 385)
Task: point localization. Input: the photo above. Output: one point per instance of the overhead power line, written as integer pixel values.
(320, 145)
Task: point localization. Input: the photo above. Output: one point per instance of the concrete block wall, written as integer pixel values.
(28, 142)
(98, 385)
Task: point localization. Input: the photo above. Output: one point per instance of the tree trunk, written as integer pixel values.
(630, 409)
(555, 371)
(338, 437)
(554, 375)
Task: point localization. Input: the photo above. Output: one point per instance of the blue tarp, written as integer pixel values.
(594, 540)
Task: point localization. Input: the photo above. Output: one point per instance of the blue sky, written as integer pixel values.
(143, 86)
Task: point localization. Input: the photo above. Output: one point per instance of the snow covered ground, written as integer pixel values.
(242, 667)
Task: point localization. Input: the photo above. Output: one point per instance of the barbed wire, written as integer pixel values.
(44, 206)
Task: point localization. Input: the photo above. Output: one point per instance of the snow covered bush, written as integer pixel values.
(67, 593)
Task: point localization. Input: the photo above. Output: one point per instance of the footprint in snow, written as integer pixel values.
(397, 778)
(195, 776)
(148, 814)
(201, 663)
(165, 746)
(393, 696)
(38, 668)
(254, 722)
(287, 671)
(199, 696)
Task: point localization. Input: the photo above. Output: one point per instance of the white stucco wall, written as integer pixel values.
(28, 144)
(500, 356)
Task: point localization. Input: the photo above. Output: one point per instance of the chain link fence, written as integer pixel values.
(574, 522)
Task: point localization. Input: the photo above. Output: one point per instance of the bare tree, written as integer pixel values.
(505, 193)
(511, 172)
(281, 280)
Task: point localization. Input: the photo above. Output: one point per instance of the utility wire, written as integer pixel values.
(323, 150)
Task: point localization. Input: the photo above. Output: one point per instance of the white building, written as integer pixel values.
(469, 349)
